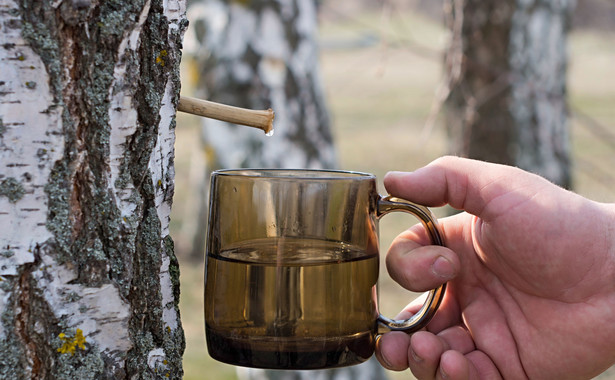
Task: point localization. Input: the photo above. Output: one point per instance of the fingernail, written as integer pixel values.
(390, 175)
(443, 374)
(443, 268)
(386, 363)
(415, 357)
(379, 354)
(395, 174)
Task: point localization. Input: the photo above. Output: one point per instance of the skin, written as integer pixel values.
(530, 270)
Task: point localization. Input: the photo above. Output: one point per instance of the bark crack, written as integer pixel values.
(23, 321)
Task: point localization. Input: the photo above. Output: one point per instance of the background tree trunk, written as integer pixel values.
(507, 71)
(88, 279)
(259, 55)
(264, 54)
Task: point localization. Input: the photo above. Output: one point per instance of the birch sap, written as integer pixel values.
(291, 303)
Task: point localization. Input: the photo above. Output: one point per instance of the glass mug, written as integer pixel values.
(292, 268)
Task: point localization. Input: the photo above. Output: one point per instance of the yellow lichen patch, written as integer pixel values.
(70, 344)
(160, 57)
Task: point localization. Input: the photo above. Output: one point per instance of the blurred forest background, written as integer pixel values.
(385, 72)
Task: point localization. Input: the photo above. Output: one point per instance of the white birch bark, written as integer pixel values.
(263, 55)
(88, 278)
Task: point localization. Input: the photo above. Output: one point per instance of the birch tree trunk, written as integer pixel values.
(260, 54)
(507, 67)
(88, 279)
(264, 54)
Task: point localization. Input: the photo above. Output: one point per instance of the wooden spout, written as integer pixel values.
(261, 119)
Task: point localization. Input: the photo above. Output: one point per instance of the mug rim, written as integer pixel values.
(295, 173)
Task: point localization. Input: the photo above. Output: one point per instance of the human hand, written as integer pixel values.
(530, 271)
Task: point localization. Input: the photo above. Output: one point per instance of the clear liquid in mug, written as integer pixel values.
(291, 303)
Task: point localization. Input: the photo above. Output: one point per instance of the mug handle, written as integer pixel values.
(434, 297)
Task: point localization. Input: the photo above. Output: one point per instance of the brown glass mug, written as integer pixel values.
(292, 267)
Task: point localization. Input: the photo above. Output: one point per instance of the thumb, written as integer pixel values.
(464, 184)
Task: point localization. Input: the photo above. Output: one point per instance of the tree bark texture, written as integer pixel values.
(507, 75)
(89, 283)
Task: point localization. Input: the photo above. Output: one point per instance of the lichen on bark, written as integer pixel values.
(12, 189)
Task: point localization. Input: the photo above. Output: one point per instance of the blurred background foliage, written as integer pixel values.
(382, 66)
